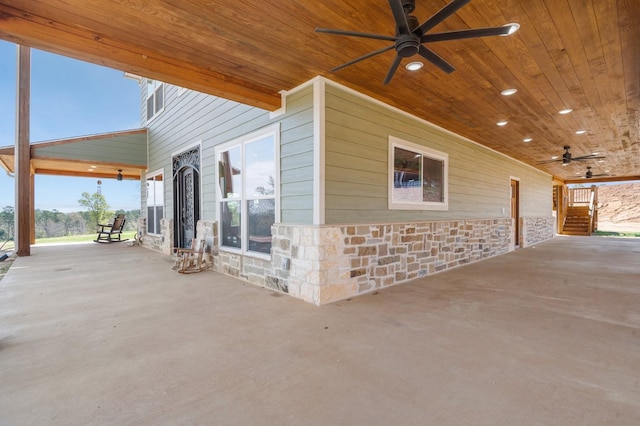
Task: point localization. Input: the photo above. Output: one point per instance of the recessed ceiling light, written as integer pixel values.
(527, 140)
(600, 161)
(508, 92)
(606, 171)
(555, 157)
(513, 27)
(565, 164)
(595, 153)
(502, 123)
(414, 66)
(581, 132)
(565, 111)
(578, 173)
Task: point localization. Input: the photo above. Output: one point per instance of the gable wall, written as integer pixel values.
(117, 150)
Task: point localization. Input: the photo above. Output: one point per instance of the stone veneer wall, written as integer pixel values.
(324, 264)
(162, 243)
(537, 229)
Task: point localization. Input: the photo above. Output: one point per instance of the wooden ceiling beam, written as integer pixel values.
(23, 28)
(603, 179)
(96, 175)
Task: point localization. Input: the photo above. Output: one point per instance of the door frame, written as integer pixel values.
(514, 208)
(178, 162)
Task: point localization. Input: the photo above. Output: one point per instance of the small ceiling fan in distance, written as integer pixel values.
(411, 36)
(567, 158)
(590, 174)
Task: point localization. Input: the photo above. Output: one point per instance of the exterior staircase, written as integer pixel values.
(577, 221)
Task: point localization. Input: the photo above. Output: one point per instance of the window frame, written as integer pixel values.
(158, 85)
(148, 177)
(244, 199)
(429, 153)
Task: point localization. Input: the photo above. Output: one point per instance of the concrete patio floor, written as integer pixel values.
(109, 334)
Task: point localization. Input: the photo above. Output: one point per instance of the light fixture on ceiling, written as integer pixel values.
(600, 161)
(502, 123)
(513, 27)
(565, 164)
(527, 140)
(555, 157)
(595, 153)
(414, 66)
(581, 132)
(119, 176)
(565, 111)
(508, 92)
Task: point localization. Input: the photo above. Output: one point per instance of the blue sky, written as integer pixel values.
(68, 98)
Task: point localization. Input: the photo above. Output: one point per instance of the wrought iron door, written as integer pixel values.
(186, 196)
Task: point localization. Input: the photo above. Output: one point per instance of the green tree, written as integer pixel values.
(7, 216)
(97, 206)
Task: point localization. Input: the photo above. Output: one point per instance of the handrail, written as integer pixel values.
(586, 198)
(580, 196)
(593, 209)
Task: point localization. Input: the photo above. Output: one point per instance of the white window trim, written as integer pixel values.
(164, 99)
(146, 179)
(427, 152)
(273, 130)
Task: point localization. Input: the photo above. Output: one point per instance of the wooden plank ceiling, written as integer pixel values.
(579, 54)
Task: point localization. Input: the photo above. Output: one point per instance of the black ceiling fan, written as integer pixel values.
(410, 35)
(590, 174)
(567, 158)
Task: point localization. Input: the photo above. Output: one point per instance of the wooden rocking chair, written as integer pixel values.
(191, 260)
(113, 231)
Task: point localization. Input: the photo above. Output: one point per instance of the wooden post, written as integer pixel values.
(24, 205)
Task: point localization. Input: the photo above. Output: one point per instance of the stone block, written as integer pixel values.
(367, 251)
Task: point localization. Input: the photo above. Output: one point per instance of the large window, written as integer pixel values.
(417, 177)
(155, 202)
(155, 98)
(247, 191)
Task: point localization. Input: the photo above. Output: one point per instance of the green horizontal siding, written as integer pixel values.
(193, 117)
(356, 155)
(129, 149)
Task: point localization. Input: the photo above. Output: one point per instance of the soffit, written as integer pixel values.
(568, 53)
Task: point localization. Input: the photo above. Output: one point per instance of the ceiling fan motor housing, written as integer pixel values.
(408, 6)
(407, 45)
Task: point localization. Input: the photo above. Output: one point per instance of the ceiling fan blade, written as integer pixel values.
(587, 157)
(440, 16)
(436, 60)
(399, 16)
(363, 57)
(392, 69)
(549, 161)
(462, 34)
(356, 34)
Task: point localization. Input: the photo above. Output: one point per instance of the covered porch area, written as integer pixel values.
(549, 334)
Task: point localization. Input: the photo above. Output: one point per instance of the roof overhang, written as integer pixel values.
(95, 156)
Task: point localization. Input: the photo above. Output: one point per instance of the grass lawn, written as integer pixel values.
(68, 239)
(616, 234)
(80, 238)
